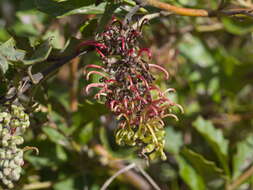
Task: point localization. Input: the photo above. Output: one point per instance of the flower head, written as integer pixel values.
(126, 84)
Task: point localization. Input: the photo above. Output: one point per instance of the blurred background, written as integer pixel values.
(210, 61)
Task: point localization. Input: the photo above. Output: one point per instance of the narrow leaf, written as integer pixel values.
(55, 136)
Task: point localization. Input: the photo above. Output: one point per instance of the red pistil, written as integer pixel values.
(96, 72)
(161, 69)
(92, 85)
(146, 50)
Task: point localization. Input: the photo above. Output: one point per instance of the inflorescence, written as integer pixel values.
(13, 123)
(128, 89)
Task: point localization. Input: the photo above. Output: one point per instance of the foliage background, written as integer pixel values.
(211, 67)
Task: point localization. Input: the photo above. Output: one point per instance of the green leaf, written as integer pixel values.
(61, 154)
(8, 54)
(190, 175)
(238, 27)
(9, 51)
(92, 9)
(88, 28)
(4, 65)
(55, 136)
(66, 184)
(86, 133)
(215, 139)
(173, 140)
(40, 162)
(193, 48)
(60, 9)
(207, 169)
(41, 54)
(243, 157)
(107, 16)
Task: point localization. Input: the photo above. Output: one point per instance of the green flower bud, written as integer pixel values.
(8, 154)
(19, 161)
(6, 171)
(10, 185)
(4, 143)
(11, 157)
(15, 123)
(12, 164)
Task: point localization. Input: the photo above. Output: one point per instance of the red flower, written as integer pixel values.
(127, 84)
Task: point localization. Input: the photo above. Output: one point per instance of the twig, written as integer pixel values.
(130, 14)
(151, 181)
(73, 84)
(242, 178)
(197, 12)
(150, 17)
(38, 77)
(38, 185)
(131, 177)
(109, 181)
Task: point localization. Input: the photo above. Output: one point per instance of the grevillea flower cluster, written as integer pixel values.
(128, 90)
(13, 123)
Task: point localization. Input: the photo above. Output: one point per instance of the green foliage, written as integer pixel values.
(9, 54)
(215, 139)
(210, 65)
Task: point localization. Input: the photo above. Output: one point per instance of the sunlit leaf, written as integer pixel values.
(69, 8)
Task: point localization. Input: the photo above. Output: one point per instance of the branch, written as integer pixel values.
(33, 79)
(197, 12)
(38, 185)
(109, 181)
(151, 181)
(116, 164)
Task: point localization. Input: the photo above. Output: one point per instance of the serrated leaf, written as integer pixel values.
(55, 136)
(243, 157)
(190, 175)
(41, 54)
(206, 168)
(215, 139)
